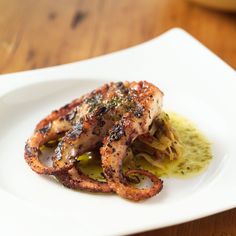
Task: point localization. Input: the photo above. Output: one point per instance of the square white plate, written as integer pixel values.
(196, 83)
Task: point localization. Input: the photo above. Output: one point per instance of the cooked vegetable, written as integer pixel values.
(185, 153)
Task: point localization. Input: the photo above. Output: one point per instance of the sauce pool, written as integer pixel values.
(196, 154)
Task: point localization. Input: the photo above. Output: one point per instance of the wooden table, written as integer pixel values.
(42, 33)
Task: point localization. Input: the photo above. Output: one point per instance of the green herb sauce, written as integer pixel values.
(195, 157)
(196, 153)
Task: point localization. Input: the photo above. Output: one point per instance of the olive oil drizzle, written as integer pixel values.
(195, 157)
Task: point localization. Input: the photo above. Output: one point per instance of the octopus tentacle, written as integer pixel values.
(48, 129)
(156, 188)
(80, 139)
(75, 179)
(55, 115)
(91, 128)
(132, 124)
(52, 126)
(89, 131)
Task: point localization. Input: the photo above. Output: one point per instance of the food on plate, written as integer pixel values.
(176, 148)
(113, 139)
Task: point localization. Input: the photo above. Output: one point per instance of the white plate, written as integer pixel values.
(196, 83)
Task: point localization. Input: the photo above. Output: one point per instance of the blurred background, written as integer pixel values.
(35, 34)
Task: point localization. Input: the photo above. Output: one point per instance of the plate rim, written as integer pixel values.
(8, 80)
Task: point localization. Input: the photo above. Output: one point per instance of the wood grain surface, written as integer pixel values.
(35, 34)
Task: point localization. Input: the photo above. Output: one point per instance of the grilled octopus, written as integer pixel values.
(148, 100)
(50, 128)
(54, 125)
(114, 110)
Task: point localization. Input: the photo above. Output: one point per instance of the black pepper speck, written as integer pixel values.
(75, 131)
(117, 132)
(45, 129)
(71, 115)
